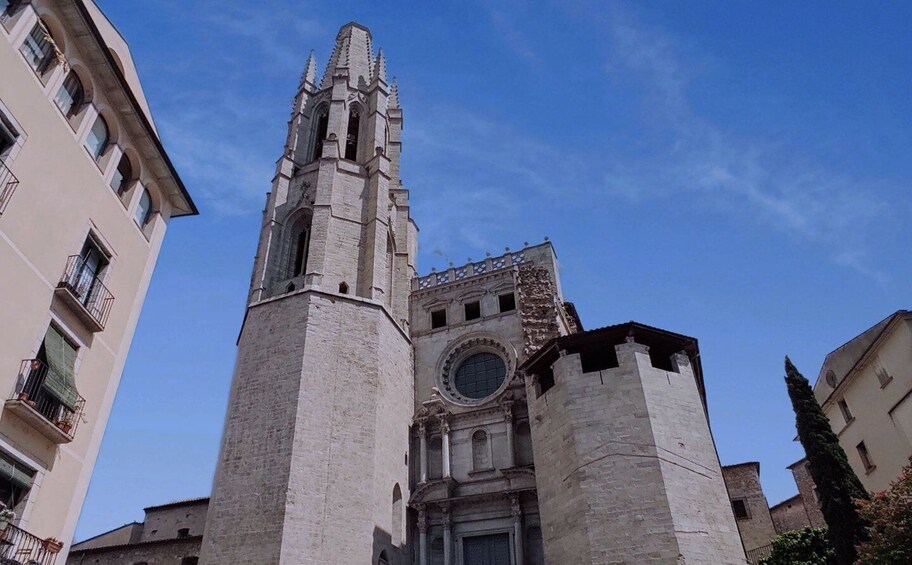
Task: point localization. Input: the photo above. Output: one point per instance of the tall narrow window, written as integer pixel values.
(97, 140)
(865, 456)
(524, 445)
(844, 408)
(38, 48)
(480, 460)
(351, 136)
(143, 209)
(71, 95)
(123, 174)
(301, 244)
(396, 534)
(320, 132)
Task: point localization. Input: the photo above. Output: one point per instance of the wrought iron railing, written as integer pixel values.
(87, 288)
(18, 547)
(8, 184)
(755, 555)
(42, 388)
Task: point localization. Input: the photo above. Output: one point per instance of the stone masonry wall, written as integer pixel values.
(743, 483)
(790, 515)
(169, 552)
(808, 491)
(703, 520)
(536, 306)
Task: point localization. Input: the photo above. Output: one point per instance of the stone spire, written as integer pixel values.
(309, 76)
(380, 67)
(394, 94)
(351, 55)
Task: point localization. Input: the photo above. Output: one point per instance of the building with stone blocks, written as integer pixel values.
(752, 511)
(87, 192)
(458, 418)
(170, 534)
(865, 390)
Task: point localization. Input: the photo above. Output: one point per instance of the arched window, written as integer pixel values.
(38, 48)
(391, 267)
(320, 132)
(523, 444)
(143, 209)
(71, 95)
(435, 458)
(397, 515)
(97, 140)
(351, 136)
(123, 175)
(480, 459)
(298, 245)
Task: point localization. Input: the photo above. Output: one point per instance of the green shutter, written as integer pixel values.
(61, 356)
(12, 472)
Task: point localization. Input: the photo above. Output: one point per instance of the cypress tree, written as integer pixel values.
(837, 484)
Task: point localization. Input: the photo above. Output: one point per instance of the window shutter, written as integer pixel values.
(61, 356)
(11, 471)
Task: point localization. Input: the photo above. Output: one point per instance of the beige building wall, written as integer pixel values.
(865, 389)
(63, 197)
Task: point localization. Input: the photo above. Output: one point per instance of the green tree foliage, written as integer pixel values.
(837, 485)
(809, 546)
(889, 514)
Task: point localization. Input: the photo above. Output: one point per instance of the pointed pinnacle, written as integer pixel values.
(380, 66)
(394, 94)
(310, 70)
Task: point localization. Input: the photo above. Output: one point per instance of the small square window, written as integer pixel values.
(438, 319)
(844, 408)
(183, 532)
(865, 456)
(507, 302)
(740, 508)
(472, 310)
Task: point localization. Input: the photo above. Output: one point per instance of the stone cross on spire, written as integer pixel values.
(351, 55)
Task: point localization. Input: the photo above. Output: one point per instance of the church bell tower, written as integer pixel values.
(313, 465)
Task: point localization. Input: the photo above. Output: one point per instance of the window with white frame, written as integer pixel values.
(97, 140)
(143, 209)
(8, 137)
(15, 482)
(38, 48)
(123, 175)
(71, 95)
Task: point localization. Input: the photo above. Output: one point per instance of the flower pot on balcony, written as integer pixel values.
(3, 526)
(52, 545)
(23, 396)
(65, 427)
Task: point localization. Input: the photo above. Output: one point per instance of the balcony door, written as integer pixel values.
(92, 262)
(487, 550)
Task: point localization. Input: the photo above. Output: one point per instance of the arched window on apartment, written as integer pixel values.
(319, 133)
(396, 534)
(351, 136)
(123, 175)
(480, 459)
(99, 137)
(143, 209)
(71, 96)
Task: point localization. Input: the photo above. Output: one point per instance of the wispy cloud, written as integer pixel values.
(764, 181)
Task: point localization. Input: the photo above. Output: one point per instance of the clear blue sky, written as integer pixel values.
(734, 171)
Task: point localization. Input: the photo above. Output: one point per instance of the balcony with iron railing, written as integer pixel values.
(8, 184)
(47, 401)
(82, 290)
(19, 547)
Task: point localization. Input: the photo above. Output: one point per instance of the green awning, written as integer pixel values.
(14, 472)
(61, 357)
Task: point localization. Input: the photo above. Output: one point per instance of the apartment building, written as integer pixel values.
(86, 194)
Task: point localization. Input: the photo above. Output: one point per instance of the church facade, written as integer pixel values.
(459, 418)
